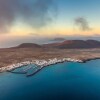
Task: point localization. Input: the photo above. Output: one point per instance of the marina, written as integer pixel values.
(35, 66)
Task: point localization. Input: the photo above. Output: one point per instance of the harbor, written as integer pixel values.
(35, 66)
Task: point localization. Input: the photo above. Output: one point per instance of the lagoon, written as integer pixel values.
(65, 81)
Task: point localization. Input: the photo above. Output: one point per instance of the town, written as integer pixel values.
(38, 63)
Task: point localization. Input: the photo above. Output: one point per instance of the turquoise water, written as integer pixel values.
(67, 81)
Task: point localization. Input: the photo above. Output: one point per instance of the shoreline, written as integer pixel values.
(43, 63)
(86, 60)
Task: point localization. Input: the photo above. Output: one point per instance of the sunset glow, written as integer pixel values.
(47, 19)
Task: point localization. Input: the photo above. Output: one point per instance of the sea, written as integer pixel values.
(64, 81)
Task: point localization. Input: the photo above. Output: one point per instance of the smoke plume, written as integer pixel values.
(82, 24)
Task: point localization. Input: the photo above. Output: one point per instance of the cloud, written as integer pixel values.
(58, 39)
(82, 24)
(36, 13)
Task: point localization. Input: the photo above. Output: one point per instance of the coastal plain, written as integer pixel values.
(10, 56)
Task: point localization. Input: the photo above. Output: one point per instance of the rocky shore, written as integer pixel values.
(40, 63)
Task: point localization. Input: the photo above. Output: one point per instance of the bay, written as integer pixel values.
(65, 81)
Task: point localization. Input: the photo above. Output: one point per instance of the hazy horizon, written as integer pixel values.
(38, 21)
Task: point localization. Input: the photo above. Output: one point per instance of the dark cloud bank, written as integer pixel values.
(36, 13)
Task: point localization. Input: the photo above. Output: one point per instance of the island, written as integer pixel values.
(47, 54)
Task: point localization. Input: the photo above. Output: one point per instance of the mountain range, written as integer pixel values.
(67, 44)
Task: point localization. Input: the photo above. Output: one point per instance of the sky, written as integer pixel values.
(37, 21)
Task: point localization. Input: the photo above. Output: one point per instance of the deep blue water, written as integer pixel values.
(67, 81)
